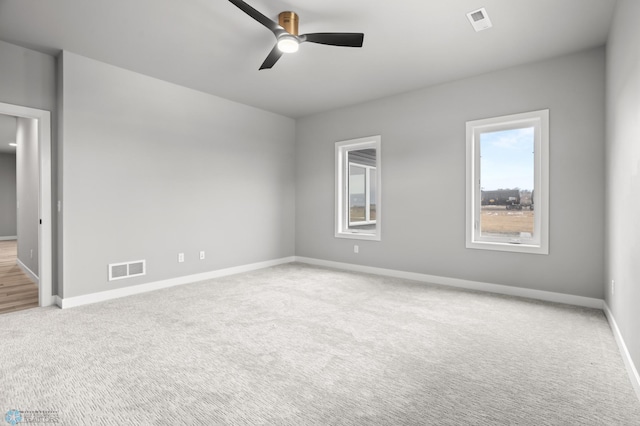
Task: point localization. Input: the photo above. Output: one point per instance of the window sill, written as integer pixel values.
(358, 236)
(512, 247)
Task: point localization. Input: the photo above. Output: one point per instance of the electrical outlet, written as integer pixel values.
(32, 253)
(180, 257)
(202, 255)
(356, 249)
(613, 287)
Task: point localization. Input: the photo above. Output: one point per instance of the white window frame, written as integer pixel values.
(367, 194)
(539, 243)
(342, 190)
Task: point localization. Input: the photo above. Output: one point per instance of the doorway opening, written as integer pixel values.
(36, 124)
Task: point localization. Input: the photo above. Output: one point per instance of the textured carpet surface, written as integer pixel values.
(298, 345)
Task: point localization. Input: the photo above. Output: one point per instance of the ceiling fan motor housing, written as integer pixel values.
(289, 21)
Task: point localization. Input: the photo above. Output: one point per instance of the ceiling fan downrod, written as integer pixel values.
(289, 21)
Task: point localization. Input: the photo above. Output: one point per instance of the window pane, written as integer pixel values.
(357, 197)
(361, 164)
(506, 183)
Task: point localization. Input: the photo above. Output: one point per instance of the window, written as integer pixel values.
(358, 189)
(508, 183)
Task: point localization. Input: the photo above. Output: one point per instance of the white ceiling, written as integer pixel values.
(7, 133)
(212, 46)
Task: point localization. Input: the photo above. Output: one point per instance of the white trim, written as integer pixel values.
(33, 277)
(626, 356)
(70, 302)
(539, 243)
(51, 301)
(456, 282)
(433, 279)
(14, 237)
(45, 229)
(342, 193)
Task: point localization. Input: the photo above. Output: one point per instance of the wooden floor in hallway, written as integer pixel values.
(17, 291)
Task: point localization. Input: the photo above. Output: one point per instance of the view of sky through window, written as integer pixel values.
(506, 159)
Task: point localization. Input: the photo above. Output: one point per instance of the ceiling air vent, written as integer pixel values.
(479, 19)
(118, 271)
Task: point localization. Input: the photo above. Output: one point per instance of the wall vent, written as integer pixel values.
(479, 19)
(118, 271)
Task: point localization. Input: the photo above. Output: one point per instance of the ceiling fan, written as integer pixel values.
(287, 38)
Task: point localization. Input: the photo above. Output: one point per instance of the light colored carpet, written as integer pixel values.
(300, 345)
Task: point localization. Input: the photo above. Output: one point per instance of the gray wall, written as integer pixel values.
(8, 224)
(152, 169)
(27, 77)
(623, 169)
(423, 177)
(28, 190)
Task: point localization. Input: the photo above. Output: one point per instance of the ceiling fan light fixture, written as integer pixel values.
(288, 44)
(286, 33)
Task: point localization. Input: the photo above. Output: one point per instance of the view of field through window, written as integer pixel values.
(507, 206)
(362, 189)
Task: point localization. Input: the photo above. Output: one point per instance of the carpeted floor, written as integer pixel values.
(300, 345)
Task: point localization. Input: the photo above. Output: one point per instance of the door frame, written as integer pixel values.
(45, 236)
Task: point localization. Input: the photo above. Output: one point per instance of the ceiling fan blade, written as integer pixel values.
(335, 39)
(272, 25)
(273, 57)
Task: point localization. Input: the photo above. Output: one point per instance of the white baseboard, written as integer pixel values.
(70, 302)
(626, 356)
(470, 285)
(452, 282)
(8, 238)
(32, 276)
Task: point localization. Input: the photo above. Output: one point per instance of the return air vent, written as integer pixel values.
(118, 271)
(479, 19)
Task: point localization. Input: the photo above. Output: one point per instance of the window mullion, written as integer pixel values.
(367, 195)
